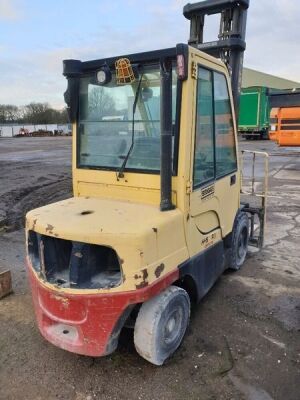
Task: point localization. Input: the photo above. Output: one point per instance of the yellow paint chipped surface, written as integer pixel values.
(141, 235)
(124, 213)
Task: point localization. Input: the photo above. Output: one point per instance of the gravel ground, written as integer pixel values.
(243, 341)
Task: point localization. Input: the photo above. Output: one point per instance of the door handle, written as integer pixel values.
(232, 180)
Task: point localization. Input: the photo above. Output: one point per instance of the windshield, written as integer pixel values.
(105, 122)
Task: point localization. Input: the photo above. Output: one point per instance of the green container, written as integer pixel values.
(254, 115)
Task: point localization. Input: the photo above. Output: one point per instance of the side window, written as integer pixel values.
(204, 140)
(225, 142)
(215, 153)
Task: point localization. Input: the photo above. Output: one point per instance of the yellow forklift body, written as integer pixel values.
(144, 238)
(119, 219)
(124, 213)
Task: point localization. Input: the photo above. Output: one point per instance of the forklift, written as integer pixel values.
(156, 215)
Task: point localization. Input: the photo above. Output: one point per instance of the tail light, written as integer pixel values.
(181, 66)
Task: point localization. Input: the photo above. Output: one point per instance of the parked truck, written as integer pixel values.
(254, 116)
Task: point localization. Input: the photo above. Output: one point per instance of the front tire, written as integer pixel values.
(161, 324)
(239, 241)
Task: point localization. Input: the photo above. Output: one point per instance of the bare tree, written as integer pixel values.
(9, 113)
(42, 113)
(33, 113)
(100, 103)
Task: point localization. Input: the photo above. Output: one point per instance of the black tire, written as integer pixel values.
(161, 324)
(239, 241)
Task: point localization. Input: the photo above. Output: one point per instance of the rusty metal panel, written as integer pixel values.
(5, 283)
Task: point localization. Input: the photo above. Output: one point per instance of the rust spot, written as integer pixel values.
(56, 234)
(142, 285)
(64, 301)
(78, 254)
(159, 270)
(154, 230)
(188, 217)
(121, 260)
(86, 212)
(49, 228)
(34, 224)
(145, 273)
(144, 282)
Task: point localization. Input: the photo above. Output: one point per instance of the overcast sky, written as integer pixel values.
(35, 36)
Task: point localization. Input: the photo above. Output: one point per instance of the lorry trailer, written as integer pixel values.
(254, 115)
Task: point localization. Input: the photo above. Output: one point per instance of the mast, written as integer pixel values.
(231, 44)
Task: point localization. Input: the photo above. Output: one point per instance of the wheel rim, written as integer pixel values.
(172, 327)
(242, 245)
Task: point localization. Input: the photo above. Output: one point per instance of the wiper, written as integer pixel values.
(121, 170)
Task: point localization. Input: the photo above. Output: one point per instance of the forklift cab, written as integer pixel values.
(214, 192)
(156, 215)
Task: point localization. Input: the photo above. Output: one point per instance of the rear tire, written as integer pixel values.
(239, 241)
(161, 324)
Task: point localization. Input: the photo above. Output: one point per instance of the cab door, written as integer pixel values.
(214, 194)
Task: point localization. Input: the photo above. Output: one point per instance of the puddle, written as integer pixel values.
(251, 392)
(286, 309)
(269, 288)
(288, 174)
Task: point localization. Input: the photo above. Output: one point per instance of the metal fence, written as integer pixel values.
(10, 130)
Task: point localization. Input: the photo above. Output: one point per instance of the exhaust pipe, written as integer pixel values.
(166, 136)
